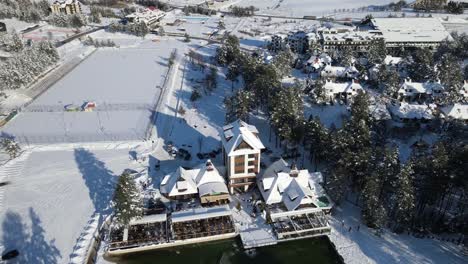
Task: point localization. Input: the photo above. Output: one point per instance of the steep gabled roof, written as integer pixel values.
(179, 182)
(456, 111)
(278, 186)
(236, 133)
(204, 179)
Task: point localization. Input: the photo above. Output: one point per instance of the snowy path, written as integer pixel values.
(364, 246)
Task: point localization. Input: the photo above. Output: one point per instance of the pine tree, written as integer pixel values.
(421, 66)
(347, 57)
(336, 183)
(377, 51)
(287, 114)
(232, 73)
(319, 94)
(373, 212)
(317, 137)
(10, 147)
(17, 43)
(127, 201)
(265, 83)
(283, 62)
(239, 106)
(404, 196)
(229, 51)
(451, 77)
(186, 37)
(389, 81)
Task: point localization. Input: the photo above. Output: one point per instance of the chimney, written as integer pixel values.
(294, 171)
(209, 165)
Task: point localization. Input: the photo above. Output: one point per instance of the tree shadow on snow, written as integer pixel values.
(184, 135)
(30, 243)
(98, 178)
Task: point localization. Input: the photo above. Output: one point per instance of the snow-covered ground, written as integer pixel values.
(364, 246)
(125, 84)
(16, 25)
(51, 197)
(299, 8)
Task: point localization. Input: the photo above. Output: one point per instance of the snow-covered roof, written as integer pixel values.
(456, 111)
(351, 35)
(237, 132)
(179, 182)
(379, 111)
(200, 213)
(351, 88)
(146, 15)
(408, 29)
(148, 219)
(204, 179)
(282, 184)
(412, 111)
(63, 4)
(464, 89)
(208, 180)
(319, 61)
(409, 88)
(389, 60)
(338, 71)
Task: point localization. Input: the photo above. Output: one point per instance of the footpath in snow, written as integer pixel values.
(364, 246)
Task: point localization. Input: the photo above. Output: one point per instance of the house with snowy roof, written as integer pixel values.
(455, 111)
(295, 200)
(286, 185)
(335, 72)
(67, 7)
(407, 113)
(241, 147)
(147, 16)
(419, 91)
(464, 91)
(342, 91)
(315, 63)
(203, 181)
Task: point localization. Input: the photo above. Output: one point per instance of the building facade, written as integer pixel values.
(336, 40)
(66, 7)
(241, 152)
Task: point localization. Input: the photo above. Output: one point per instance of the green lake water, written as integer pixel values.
(314, 250)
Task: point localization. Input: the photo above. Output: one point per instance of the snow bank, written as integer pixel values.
(364, 247)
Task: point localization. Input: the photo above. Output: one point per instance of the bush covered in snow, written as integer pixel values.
(26, 65)
(25, 10)
(96, 43)
(137, 29)
(11, 42)
(62, 20)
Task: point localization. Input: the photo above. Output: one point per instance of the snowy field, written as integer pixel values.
(112, 76)
(299, 8)
(125, 84)
(51, 197)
